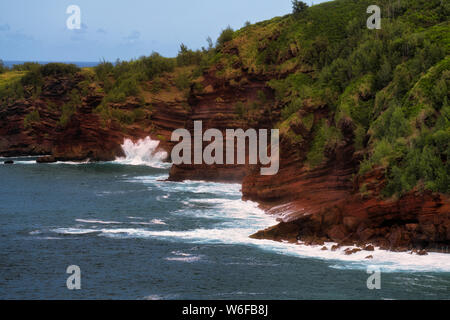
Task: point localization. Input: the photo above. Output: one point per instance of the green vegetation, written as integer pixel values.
(391, 86)
(325, 136)
(10, 87)
(69, 108)
(31, 118)
(298, 6)
(386, 91)
(3, 68)
(225, 36)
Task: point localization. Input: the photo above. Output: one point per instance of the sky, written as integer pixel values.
(33, 30)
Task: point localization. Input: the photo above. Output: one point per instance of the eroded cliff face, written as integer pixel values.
(316, 206)
(216, 107)
(324, 203)
(86, 135)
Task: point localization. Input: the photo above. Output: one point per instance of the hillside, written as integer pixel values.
(364, 116)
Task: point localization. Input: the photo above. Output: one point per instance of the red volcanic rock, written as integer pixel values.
(369, 248)
(369, 257)
(351, 251)
(350, 223)
(337, 233)
(411, 226)
(335, 247)
(316, 204)
(46, 159)
(324, 248)
(85, 135)
(422, 253)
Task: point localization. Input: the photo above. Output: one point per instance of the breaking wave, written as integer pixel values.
(221, 217)
(143, 152)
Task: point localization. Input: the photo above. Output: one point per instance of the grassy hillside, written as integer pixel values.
(390, 86)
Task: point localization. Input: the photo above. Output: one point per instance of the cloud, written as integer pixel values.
(19, 36)
(5, 27)
(78, 34)
(133, 36)
(83, 28)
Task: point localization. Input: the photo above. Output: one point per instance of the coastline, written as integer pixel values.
(289, 222)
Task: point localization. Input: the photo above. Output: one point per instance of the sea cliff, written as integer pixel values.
(352, 120)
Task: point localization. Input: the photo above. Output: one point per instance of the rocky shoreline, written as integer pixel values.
(328, 203)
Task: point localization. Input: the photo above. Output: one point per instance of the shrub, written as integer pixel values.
(69, 108)
(26, 66)
(225, 36)
(103, 70)
(324, 136)
(187, 57)
(3, 68)
(182, 81)
(240, 109)
(155, 64)
(298, 6)
(31, 118)
(58, 69)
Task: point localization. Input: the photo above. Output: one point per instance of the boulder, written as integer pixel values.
(350, 223)
(334, 247)
(46, 159)
(351, 251)
(422, 253)
(336, 233)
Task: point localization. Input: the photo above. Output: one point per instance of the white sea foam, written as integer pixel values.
(183, 257)
(73, 163)
(97, 221)
(234, 220)
(385, 260)
(74, 231)
(143, 152)
(152, 222)
(157, 221)
(22, 161)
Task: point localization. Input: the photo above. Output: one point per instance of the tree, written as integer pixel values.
(298, 6)
(3, 68)
(225, 36)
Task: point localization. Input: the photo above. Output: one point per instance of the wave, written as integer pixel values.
(152, 222)
(97, 221)
(143, 152)
(386, 261)
(74, 231)
(223, 218)
(183, 257)
(22, 162)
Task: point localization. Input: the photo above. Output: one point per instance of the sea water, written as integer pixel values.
(136, 236)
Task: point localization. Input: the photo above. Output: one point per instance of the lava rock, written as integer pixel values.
(351, 251)
(46, 159)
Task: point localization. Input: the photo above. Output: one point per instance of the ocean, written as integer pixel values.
(135, 236)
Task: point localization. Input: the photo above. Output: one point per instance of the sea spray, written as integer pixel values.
(143, 152)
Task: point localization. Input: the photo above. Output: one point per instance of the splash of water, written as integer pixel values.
(143, 152)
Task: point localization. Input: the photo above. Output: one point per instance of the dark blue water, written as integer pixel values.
(136, 237)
